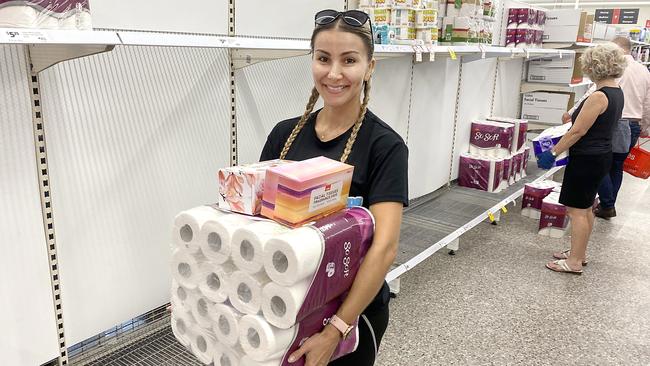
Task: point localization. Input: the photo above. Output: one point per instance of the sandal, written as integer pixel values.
(562, 267)
(565, 255)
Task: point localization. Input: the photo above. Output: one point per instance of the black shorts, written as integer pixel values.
(582, 177)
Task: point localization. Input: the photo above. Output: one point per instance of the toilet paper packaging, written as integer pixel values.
(491, 139)
(511, 37)
(382, 3)
(402, 18)
(524, 168)
(548, 139)
(426, 18)
(447, 30)
(241, 187)
(526, 18)
(539, 36)
(480, 173)
(460, 34)
(379, 16)
(554, 220)
(343, 238)
(519, 133)
(45, 14)
(507, 171)
(541, 19)
(534, 194)
(453, 8)
(513, 16)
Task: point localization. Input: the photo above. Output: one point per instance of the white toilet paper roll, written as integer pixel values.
(18, 16)
(294, 256)
(180, 297)
(185, 268)
(203, 345)
(225, 324)
(247, 361)
(201, 308)
(214, 280)
(227, 356)
(187, 226)
(248, 244)
(280, 304)
(216, 236)
(245, 291)
(262, 341)
(182, 324)
(44, 20)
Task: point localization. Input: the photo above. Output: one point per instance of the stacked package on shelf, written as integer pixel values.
(498, 155)
(403, 21)
(248, 291)
(38, 14)
(467, 21)
(548, 139)
(525, 27)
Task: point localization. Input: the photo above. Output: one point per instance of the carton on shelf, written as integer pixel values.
(546, 106)
(567, 70)
(568, 25)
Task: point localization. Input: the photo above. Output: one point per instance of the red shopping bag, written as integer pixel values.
(638, 162)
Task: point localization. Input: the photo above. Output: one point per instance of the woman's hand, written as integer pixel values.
(319, 348)
(546, 160)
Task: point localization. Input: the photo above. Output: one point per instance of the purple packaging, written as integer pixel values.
(474, 173)
(511, 37)
(487, 136)
(530, 37)
(553, 215)
(526, 16)
(513, 16)
(533, 196)
(524, 168)
(543, 143)
(507, 166)
(520, 38)
(539, 36)
(347, 236)
(313, 324)
(498, 175)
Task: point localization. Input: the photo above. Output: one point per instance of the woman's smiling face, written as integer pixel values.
(339, 66)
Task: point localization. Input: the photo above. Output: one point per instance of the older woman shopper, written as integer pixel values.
(589, 142)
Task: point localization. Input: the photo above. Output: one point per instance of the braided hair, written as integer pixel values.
(366, 35)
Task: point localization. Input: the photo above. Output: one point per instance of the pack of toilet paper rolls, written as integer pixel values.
(519, 131)
(481, 173)
(553, 219)
(45, 14)
(491, 139)
(217, 294)
(548, 139)
(534, 194)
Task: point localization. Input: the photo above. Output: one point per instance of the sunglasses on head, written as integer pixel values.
(355, 18)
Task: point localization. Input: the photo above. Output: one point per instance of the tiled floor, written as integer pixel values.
(494, 303)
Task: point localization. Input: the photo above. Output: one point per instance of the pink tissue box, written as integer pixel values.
(241, 187)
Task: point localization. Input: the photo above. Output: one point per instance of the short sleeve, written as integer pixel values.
(389, 172)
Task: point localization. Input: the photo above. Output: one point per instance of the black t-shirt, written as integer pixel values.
(379, 156)
(598, 139)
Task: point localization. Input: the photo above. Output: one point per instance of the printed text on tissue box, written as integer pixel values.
(325, 196)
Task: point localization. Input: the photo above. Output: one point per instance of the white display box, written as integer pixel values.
(566, 70)
(545, 107)
(568, 25)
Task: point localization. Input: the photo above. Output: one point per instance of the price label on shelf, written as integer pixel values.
(491, 216)
(452, 53)
(20, 36)
(504, 209)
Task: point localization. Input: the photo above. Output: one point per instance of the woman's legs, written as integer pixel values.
(582, 221)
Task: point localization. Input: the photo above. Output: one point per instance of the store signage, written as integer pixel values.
(617, 16)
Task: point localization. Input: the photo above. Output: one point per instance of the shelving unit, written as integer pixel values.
(527, 87)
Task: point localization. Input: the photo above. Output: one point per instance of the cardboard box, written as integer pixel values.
(546, 107)
(567, 70)
(241, 187)
(568, 25)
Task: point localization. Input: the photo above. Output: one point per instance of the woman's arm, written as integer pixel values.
(593, 107)
(381, 255)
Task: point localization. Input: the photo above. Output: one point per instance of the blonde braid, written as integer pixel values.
(357, 125)
(310, 107)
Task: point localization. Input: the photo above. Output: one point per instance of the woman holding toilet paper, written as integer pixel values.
(589, 142)
(342, 65)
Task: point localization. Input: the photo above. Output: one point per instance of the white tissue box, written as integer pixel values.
(568, 25)
(546, 107)
(566, 70)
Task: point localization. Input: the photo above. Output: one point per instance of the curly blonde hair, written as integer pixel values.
(604, 61)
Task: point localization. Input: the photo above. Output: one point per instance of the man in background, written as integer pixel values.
(635, 84)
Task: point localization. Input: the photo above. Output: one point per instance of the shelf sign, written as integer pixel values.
(617, 16)
(19, 36)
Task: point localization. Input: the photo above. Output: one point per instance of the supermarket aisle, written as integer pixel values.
(495, 303)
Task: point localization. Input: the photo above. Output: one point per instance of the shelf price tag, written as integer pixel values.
(418, 53)
(432, 53)
(452, 53)
(560, 52)
(504, 209)
(482, 51)
(491, 216)
(20, 36)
